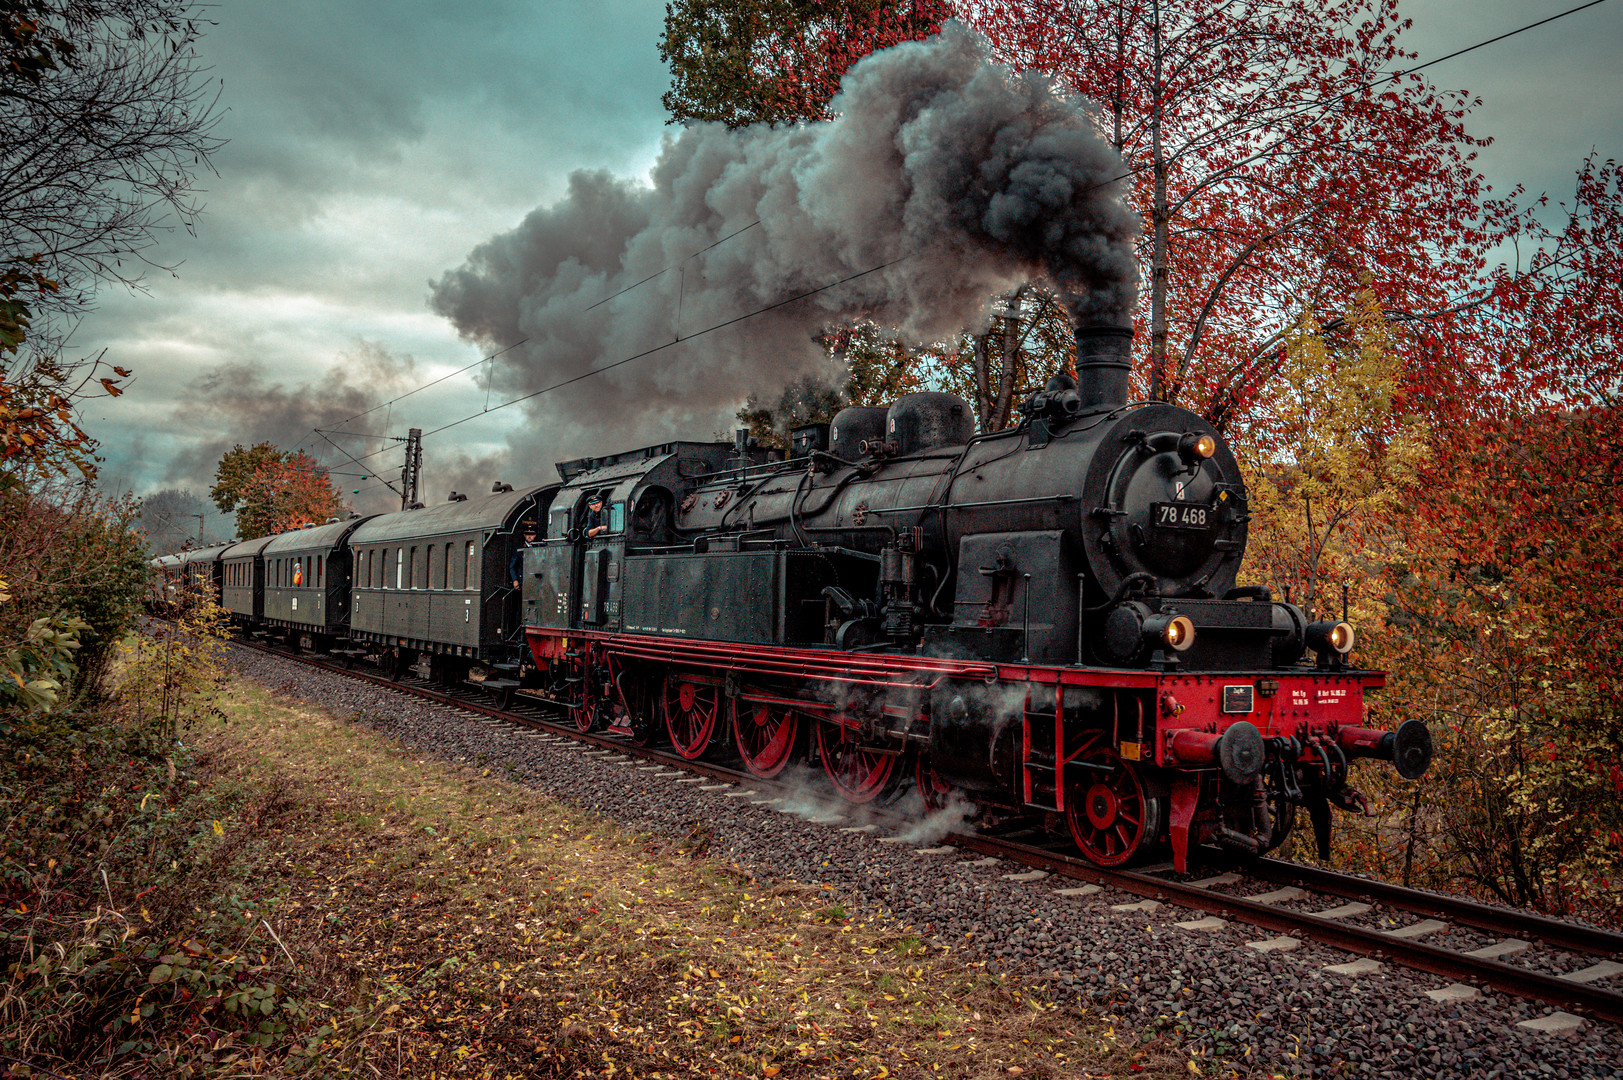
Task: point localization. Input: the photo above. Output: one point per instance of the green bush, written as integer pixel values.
(67, 559)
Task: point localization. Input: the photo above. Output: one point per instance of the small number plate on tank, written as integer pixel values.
(1180, 515)
(1239, 699)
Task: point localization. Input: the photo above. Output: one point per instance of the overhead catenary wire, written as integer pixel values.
(663, 269)
(1196, 144)
(661, 347)
(419, 389)
(1193, 147)
(492, 357)
(358, 461)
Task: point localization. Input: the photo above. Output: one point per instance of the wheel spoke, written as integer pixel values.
(860, 776)
(1109, 813)
(690, 716)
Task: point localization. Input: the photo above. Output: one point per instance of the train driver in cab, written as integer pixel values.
(594, 525)
(515, 565)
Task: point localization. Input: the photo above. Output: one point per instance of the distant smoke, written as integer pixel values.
(965, 177)
(242, 400)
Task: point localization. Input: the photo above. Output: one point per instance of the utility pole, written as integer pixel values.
(412, 471)
(199, 518)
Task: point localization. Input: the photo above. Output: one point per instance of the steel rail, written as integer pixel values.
(1522, 982)
(567, 730)
(1572, 936)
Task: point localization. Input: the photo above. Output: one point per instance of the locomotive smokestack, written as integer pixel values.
(1104, 359)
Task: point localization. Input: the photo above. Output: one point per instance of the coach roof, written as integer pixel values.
(322, 538)
(485, 512)
(208, 554)
(246, 548)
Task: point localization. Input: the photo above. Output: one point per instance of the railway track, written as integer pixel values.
(1307, 904)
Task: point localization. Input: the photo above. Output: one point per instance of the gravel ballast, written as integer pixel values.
(1266, 1013)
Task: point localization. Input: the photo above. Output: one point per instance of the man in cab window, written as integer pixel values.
(594, 524)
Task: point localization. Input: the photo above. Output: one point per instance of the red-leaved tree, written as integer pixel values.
(1278, 154)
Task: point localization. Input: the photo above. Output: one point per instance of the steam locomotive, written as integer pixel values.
(1044, 619)
(1040, 621)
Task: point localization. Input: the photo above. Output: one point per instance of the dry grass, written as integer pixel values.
(473, 928)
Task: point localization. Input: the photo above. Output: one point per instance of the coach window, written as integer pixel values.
(445, 569)
(428, 553)
(470, 580)
(319, 560)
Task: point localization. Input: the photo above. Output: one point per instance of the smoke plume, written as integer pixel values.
(943, 181)
(248, 405)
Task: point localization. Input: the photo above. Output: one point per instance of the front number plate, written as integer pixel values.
(1179, 515)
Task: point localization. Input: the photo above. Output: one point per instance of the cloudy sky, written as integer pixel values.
(374, 145)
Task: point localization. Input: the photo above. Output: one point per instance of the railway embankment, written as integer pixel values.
(354, 902)
(1227, 1006)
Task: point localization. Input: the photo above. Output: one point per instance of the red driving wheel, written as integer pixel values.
(765, 735)
(690, 715)
(932, 789)
(860, 776)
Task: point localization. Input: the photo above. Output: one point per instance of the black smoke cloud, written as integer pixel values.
(944, 180)
(244, 402)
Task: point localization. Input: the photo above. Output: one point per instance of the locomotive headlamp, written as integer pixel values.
(1197, 447)
(1173, 632)
(1328, 636)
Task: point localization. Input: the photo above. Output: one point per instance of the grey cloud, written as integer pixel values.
(240, 402)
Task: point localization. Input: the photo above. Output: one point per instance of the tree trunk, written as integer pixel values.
(1118, 102)
(1411, 839)
(1008, 350)
(1160, 235)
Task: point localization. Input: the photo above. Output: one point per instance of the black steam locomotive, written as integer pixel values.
(1045, 618)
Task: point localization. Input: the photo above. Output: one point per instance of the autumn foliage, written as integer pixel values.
(777, 61)
(272, 490)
